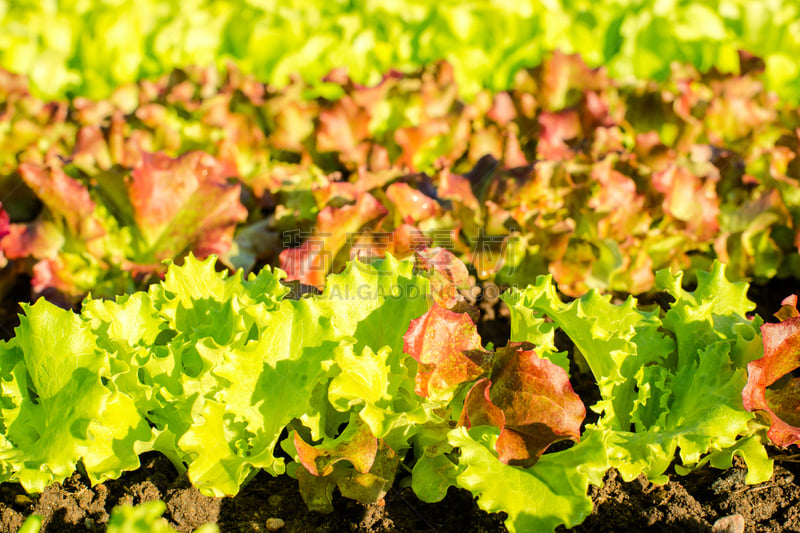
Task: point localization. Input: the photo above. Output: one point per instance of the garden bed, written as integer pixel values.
(690, 503)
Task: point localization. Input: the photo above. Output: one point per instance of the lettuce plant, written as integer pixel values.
(652, 365)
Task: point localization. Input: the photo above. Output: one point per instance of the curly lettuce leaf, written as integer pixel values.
(550, 493)
(385, 399)
(244, 363)
(247, 364)
(366, 298)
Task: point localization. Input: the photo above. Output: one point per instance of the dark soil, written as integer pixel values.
(692, 503)
(686, 504)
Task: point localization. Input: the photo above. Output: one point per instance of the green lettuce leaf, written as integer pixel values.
(539, 498)
(62, 405)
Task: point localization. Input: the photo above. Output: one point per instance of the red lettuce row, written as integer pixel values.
(108, 232)
(597, 182)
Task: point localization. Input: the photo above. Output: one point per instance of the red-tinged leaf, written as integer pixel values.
(336, 191)
(503, 110)
(406, 239)
(292, 117)
(750, 64)
(457, 188)
(788, 308)
(286, 180)
(513, 156)
(442, 135)
(689, 198)
(55, 281)
(486, 141)
(411, 204)
(479, 409)
(556, 128)
(185, 203)
(335, 229)
(402, 243)
(99, 148)
(439, 90)
(413, 139)
(91, 149)
(356, 444)
(447, 275)
(13, 85)
(343, 128)
(736, 110)
(564, 78)
(37, 239)
(373, 179)
(309, 263)
(530, 399)
(617, 190)
(437, 341)
(650, 151)
(65, 197)
(781, 357)
(606, 141)
(595, 110)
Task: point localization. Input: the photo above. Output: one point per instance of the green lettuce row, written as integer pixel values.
(210, 369)
(518, 183)
(207, 368)
(88, 49)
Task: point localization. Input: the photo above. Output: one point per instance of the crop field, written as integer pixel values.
(397, 266)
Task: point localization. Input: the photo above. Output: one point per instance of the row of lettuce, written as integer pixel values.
(386, 367)
(597, 182)
(90, 48)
